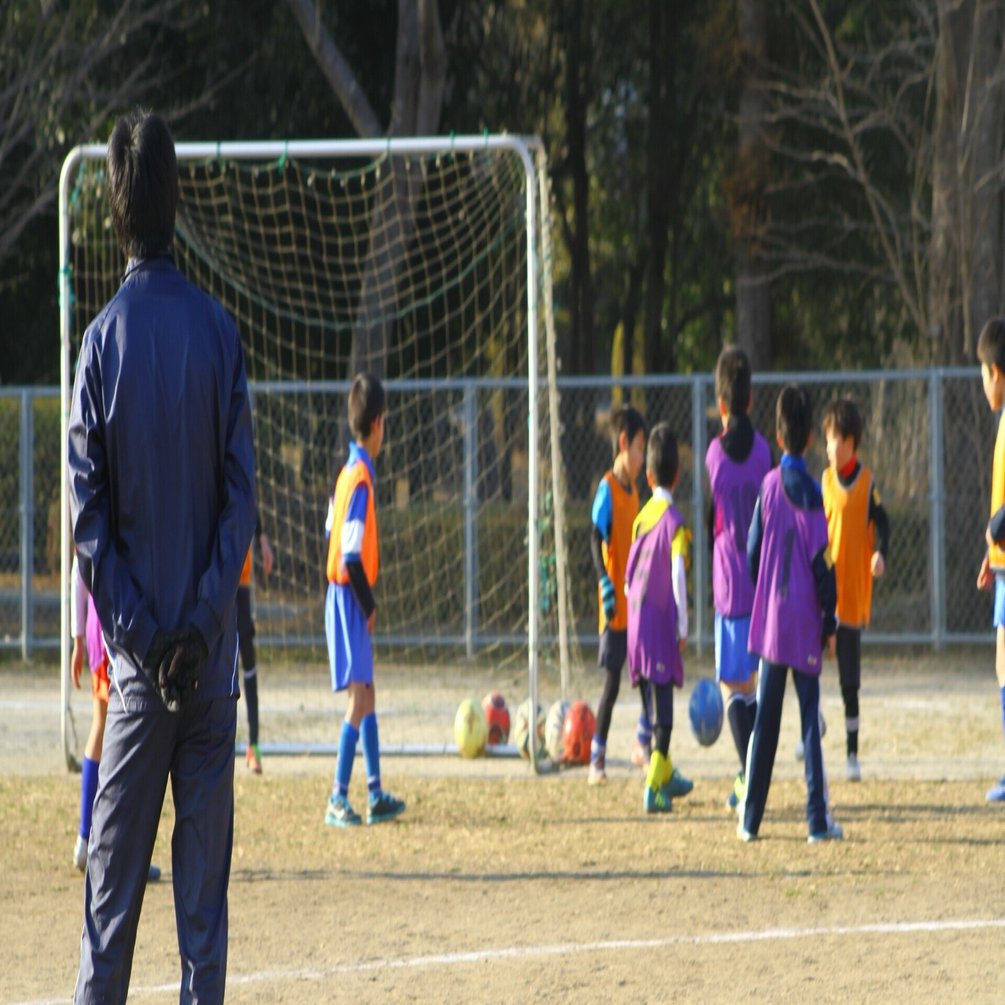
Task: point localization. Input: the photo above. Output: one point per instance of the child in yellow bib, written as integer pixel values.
(991, 353)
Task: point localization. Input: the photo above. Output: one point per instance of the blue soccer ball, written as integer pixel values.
(705, 710)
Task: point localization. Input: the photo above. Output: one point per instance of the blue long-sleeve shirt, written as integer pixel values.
(162, 474)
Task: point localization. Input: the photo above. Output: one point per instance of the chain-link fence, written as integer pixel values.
(928, 439)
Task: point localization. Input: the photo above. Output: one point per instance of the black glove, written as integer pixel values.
(158, 657)
(179, 677)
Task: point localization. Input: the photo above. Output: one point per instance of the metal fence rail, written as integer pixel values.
(928, 439)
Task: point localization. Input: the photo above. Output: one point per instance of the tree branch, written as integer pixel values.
(337, 71)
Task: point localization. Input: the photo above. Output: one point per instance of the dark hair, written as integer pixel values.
(366, 404)
(661, 455)
(625, 419)
(732, 380)
(844, 419)
(794, 419)
(142, 184)
(991, 343)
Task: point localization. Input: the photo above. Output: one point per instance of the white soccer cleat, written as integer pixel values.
(852, 771)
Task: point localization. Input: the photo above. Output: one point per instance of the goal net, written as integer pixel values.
(427, 262)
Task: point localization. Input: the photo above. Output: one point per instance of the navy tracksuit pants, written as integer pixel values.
(764, 745)
(142, 750)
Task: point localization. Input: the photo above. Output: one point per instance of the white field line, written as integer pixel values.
(569, 948)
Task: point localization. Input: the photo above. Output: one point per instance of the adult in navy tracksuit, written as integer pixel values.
(162, 494)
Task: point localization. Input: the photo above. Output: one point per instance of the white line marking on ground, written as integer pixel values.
(567, 948)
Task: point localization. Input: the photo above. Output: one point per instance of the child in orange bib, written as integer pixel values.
(859, 533)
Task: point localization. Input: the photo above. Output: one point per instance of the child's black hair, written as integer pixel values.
(732, 380)
(625, 419)
(991, 343)
(794, 419)
(366, 404)
(844, 419)
(662, 458)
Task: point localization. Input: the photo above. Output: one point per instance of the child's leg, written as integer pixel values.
(741, 708)
(808, 690)
(92, 757)
(763, 742)
(1000, 674)
(736, 671)
(996, 794)
(611, 657)
(658, 794)
(360, 704)
(249, 676)
(644, 729)
(849, 659)
(381, 805)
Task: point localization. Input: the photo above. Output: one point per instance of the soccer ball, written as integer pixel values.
(705, 710)
(577, 733)
(554, 727)
(522, 728)
(470, 728)
(497, 717)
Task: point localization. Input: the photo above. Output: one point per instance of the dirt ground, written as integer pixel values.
(500, 886)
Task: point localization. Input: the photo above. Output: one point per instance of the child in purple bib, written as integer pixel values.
(793, 619)
(736, 461)
(656, 585)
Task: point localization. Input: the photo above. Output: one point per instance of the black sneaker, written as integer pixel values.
(384, 807)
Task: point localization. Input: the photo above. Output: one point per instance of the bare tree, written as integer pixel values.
(419, 79)
(753, 289)
(57, 88)
(901, 130)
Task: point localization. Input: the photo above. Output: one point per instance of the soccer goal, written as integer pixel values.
(426, 261)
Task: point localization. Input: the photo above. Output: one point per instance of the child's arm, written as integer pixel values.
(877, 514)
(679, 563)
(600, 533)
(78, 618)
(351, 546)
(754, 536)
(826, 583)
(996, 528)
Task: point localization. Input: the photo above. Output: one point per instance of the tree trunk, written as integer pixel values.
(985, 129)
(419, 79)
(753, 292)
(576, 106)
(965, 259)
(663, 24)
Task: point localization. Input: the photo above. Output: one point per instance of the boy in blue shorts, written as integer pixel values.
(991, 353)
(795, 594)
(350, 608)
(656, 583)
(736, 461)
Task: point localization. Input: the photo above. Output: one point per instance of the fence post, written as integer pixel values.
(27, 490)
(697, 505)
(936, 504)
(470, 517)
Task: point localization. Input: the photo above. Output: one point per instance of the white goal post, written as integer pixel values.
(429, 260)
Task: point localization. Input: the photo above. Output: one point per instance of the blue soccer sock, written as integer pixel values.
(371, 753)
(1003, 709)
(346, 753)
(598, 751)
(88, 788)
